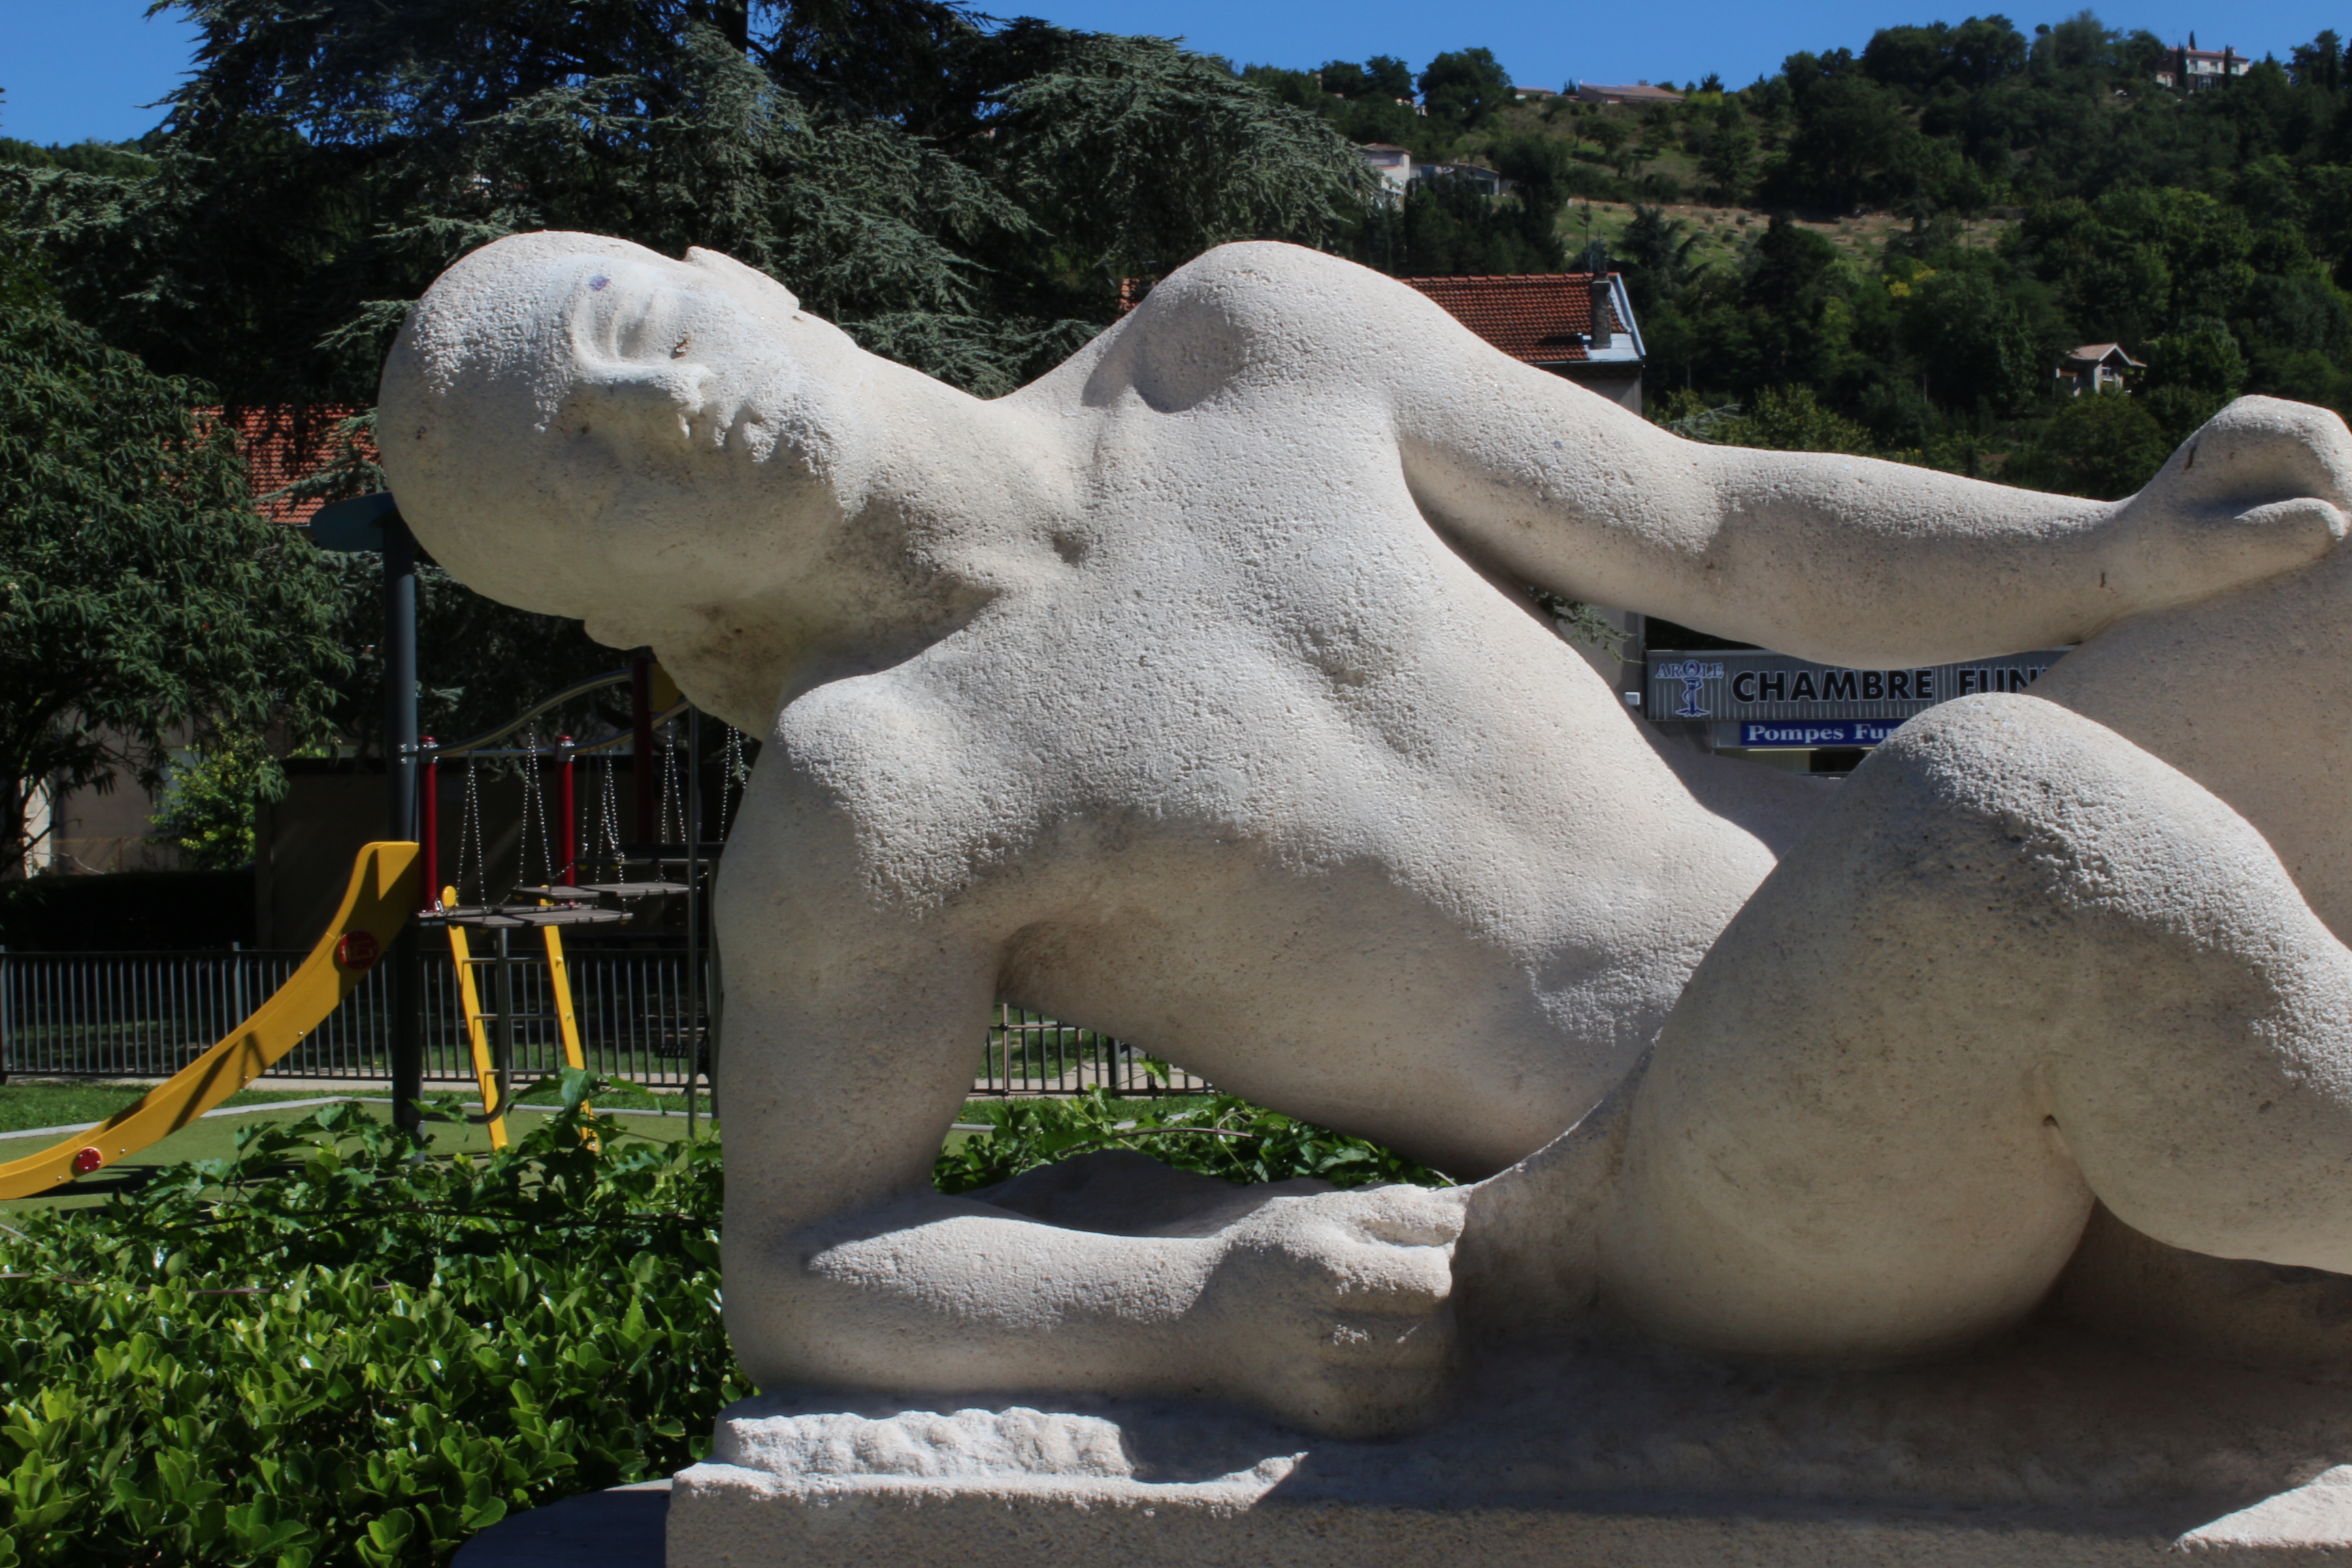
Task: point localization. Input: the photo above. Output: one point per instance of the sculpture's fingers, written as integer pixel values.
(1403, 1215)
(2304, 517)
(1369, 1340)
(1358, 1276)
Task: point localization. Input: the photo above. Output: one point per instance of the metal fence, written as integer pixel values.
(148, 1014)
(1029, 1053)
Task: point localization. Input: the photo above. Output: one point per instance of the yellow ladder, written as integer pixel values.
(477, 1033)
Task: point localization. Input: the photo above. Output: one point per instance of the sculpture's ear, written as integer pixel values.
(750, 284)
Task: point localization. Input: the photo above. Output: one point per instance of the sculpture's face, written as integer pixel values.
(582, 427)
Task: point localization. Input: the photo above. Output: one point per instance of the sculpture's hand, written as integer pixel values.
(2262, 487)
(1335, 1310)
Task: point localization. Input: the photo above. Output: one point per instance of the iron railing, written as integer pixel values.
(1029, 1053)
(148, 1014)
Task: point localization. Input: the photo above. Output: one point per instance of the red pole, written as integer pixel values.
(641, 768)
(428, 826)
(563, 809)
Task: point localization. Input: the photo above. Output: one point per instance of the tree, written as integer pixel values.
(1465, 86)
(1657, 250)
(1978, 349)
(1791, 419)
(1344, 77)
(1390, 77)
(139, 591)
(1729, 161)
(2104, 446)
(963, 196)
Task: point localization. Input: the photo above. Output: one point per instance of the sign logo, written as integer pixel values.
(1693, 674)
(358, 949)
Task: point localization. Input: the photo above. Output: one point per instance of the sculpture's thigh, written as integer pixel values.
(2018, 963)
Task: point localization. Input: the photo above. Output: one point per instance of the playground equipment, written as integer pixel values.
(563, 898)
(377, 903)
(389, 895)
(392, 884)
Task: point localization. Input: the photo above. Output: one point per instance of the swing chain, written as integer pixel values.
(469, 832)
(534, 794)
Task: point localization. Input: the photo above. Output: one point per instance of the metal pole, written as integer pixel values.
(504, 1038)
(693, 912)
(407, 1043)
(567, 812)
(428, 826)
(641, 766)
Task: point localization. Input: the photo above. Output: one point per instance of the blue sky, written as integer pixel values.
(77, 68)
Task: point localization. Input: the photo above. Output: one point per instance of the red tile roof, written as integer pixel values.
(1540, 318)
(286, 442)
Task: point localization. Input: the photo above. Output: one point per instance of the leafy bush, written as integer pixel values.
(333, 1348)
(337, 1347)
(1227, 1138)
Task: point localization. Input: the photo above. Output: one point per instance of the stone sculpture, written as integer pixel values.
(1190, 693)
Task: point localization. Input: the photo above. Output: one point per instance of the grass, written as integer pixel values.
(40, 1104)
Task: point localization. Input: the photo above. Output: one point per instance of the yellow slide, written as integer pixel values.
(382, 896)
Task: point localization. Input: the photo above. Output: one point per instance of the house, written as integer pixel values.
(2095, 367)
(1577, 325)
(2191, 67)
(1487, 180)
(1640, 92)
(1393, 165)
(289, 441)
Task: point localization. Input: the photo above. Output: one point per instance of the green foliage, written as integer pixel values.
(335, 1347)
(1791, 419)
(1227, 1138)
(2199, 356)
(118, 160)
(2104, 446)
(140, 590)
(963, 196)
(1467, 87)
(1979, 345)
(327, 1350)
(209, 801)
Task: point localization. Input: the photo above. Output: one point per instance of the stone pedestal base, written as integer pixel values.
(2060, 1448)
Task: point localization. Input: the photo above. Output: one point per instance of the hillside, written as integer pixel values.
(1902, 243)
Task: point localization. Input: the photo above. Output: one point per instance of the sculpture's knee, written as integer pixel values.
(2191, 1018)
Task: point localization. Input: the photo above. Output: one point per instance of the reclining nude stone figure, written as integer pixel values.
(1190, 693)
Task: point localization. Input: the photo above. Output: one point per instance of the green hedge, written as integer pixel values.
(337, 1347)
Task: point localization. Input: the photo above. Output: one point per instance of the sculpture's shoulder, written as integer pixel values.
(1253, 312)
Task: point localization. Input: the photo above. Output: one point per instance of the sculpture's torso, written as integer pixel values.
(1258, 773)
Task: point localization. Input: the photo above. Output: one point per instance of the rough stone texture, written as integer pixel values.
(2060, 1447)
(1189, 693)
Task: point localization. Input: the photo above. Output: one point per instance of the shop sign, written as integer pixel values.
(1817, 731)
(1755, 686)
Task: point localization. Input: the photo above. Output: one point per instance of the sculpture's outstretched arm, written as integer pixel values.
(846, 1060)
(1847, 560)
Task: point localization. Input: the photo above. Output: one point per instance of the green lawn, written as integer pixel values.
(24, 1105)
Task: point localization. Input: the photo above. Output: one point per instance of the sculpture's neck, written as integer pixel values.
(953, 502)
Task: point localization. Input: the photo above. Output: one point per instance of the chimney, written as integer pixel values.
(1603, 317)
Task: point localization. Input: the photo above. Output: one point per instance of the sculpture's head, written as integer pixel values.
(582, 427)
